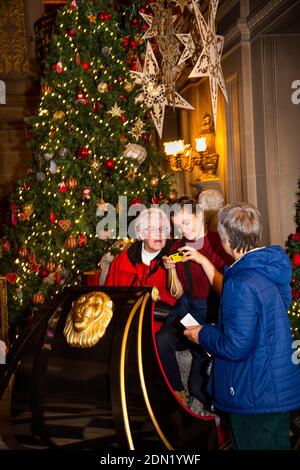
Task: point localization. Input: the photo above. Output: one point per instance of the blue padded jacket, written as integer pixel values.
(252, 344)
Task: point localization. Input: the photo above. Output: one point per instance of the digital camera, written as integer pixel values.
(176, 256)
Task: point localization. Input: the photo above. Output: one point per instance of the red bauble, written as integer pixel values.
(82, 240)
(134, 22)
(85, 65)
(133, 44)
(82, 152)
(136, 200)
(148, 115)
(110, 87)
(74, 5)
(5, 246)
(81, 98)
(120, 78)
(77, 59)
(86, 193)
(43, 272)
(62, 188)
(295, 294)
(296, 259)
(146, 137)
(58, 67)
(97, 106)
(161, 196)
(123, 117)
(154, 200)
(144, 27)
(143, 10)
(295, 237)
(133, 65)
(125, 41)
(57, 278)
(104, 16)
(71, 32)
(109, 164)
(122, 97)
(52, 217)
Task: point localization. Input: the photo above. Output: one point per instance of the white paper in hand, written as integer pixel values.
(189, 320)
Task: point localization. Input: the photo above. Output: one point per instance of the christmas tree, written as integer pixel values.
(91, 143)
(293, 249)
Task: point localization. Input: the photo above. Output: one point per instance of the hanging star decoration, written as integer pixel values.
(95, 164)
(153, 92)
(115, 111)
(137, 129)
(209, 61)
(181, 4)
(189, 47)
(156, 22)
(92, 18)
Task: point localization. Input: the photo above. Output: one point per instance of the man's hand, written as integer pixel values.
(192, 333)
(191, 254)
(168, 263)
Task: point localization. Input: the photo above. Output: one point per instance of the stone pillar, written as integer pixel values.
(18, 72)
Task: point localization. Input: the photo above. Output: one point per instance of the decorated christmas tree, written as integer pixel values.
(293, 249)
(91, 143)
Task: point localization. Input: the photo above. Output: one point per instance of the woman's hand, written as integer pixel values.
(192, 333)
(191, 254)
(168, 263)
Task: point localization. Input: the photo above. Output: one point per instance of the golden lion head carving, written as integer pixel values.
(88, 319)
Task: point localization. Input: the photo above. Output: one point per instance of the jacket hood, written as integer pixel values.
(272, 262)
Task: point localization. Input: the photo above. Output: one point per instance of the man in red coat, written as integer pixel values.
(141, 264)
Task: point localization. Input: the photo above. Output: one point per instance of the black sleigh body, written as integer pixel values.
(112, 395)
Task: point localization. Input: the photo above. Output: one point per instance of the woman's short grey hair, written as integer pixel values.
(240, 224)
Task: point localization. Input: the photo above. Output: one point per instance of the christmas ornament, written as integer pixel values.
(50, 266)
(27, 186)
(128, 86)
(136, 152)
(38, 298)
(71, 242)
(120, 78)
(154, 200)
(53, 167)
(58, 67)
(109, 164)
(34, 266)
(27, 212)
(136, 200)
(115, 111)
(97, 107)
(52, 217)
(62, 187)
(23, 252)
(95, 164)
(125, 41)
(104, 16)
(5, 246)
(102, 87)
(161, 196)
(58, 115)
(189, 47)
(63, 152)
(134, 22)
(138, 129)
(296, 259)
(48, 156)
(43, 272)
(86, 193)
(123, 139)
(11, 278)
(101, 207)
(209, 61)
(154, 182)
(123, 118)
(131, 175)
(82, 152)
(133, 65)
(173, 196)
(85, 66)
(133, 44)
(77, 59)
(45, 88)
(105, 51)
(181, 4)
(82, 240)
(71, 32)
(40, 176)
(92, 18)
(64, 224)
(71, 183)
(154, 91)
(81, 98)
(73, 5)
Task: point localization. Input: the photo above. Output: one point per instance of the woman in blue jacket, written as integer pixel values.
(254, 378)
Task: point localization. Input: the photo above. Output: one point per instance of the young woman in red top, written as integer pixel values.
(194, 282)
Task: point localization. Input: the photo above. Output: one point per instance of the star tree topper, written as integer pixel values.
(154, 91)
(209, 61)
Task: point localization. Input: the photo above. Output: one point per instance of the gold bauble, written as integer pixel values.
(58, 115)
(102, 87)
(173, 196)
(71, 242)
(50, 266)
(38, 298)
(128, 87)
(154, 181)
(71, 183)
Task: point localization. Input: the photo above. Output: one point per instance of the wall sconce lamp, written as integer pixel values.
(184, 157)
